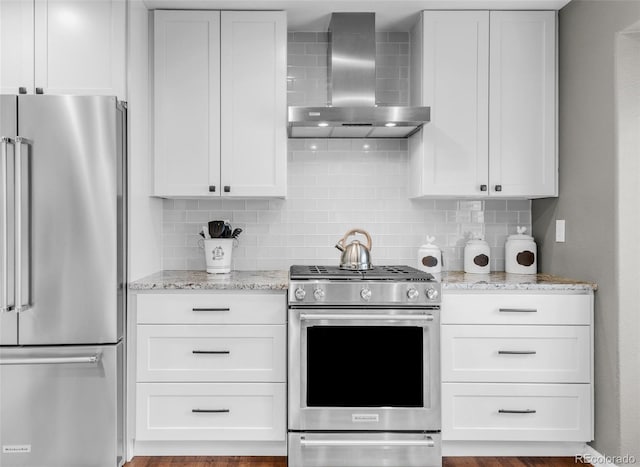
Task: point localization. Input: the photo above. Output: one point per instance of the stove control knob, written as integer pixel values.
(432, 294)
(365, 294)
(300, 293)
(412, 294)
(318, 294)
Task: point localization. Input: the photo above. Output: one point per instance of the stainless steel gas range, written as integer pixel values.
(364, 367)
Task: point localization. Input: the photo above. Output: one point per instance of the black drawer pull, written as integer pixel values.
(516, 352)
(517, 310)
(517, 411)
(211, 309)
(214, 352)
(210, 410)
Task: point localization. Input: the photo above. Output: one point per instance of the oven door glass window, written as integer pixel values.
(365, 366)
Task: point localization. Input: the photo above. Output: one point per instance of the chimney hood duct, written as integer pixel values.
(352, 110)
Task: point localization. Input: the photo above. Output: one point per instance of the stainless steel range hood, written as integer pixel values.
(352, 110)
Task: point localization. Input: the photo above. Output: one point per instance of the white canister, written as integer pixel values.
(477, 256)
(217, 255)
(521, 253)
(430, 257)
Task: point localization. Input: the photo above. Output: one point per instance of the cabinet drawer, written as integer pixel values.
(545, 354)
(516, 412)
(223, 308)
(211, 411)
(515, 308)
(212, 353)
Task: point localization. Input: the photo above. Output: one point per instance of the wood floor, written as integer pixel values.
(282, 462)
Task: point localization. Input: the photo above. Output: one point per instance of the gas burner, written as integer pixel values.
(390, 273)
(379, 287)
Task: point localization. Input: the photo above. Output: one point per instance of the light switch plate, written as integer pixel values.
(560, 229)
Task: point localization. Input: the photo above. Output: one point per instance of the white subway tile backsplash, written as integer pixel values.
(340, 184)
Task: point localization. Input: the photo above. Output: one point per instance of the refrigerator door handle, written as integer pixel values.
(50, 360)
(22, 293)
(5, 301)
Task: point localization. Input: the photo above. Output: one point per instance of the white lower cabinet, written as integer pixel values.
(210, 367)
(516, 367)
(211, 411)
(516, 412)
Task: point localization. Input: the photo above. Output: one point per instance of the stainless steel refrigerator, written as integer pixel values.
(62, 280)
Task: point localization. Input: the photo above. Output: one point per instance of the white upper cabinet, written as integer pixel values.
(63, 46)
(220, 109)
(16, 46)
(450, 156)
(522, 106)
(186, 102)
(490, 80)
(254, 86)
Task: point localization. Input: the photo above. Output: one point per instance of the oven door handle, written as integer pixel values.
(351, 317)
(427, 442)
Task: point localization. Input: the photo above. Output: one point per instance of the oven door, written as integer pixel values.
(364, 369)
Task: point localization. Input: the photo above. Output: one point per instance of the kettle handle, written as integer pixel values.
(356, 231)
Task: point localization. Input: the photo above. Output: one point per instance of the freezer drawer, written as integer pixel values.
(364, 449)
(61, 406)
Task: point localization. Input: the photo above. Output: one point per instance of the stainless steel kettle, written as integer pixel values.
(355, 255)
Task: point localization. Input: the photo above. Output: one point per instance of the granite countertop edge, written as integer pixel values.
(279, 280)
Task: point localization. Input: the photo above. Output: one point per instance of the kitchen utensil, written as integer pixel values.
(476, 256)
(430, 257)
(216, 228)
(521, 253)
(226, 230)
(355, 255)
(235, 233)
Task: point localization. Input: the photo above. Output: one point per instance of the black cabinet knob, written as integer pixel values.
(39, 91)
(483, 187)
(227, 189)
(498, 187)
(212, 188)
(22, 90)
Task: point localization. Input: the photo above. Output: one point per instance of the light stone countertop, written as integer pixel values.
(201, 280)
(279, 280)
(458, 280)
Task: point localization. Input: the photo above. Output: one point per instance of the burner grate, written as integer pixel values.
(377, 273)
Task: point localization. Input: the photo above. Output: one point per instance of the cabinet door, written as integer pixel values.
(16, 46)
(522, 105)
(187, 103)
(253, 81)
(452, 151)
(80, 47)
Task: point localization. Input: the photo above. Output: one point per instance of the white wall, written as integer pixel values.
(145, 213)
(628, 170)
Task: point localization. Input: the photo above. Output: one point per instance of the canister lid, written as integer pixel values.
(521, 235)
(430, 245)
(476, 239)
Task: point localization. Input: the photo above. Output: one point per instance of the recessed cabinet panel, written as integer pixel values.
(220, 103)
(512, 354)
(253, 66)
(522, 138)
(80, 47)
(63, 47)
(186, 90)
(16, 46)
(516, 412)
(453, 147)
(211, 411)
(490, 79)
(211, 353)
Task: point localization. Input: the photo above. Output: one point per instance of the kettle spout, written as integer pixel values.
(339, 246)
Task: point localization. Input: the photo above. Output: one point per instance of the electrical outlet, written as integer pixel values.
(560, 230)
